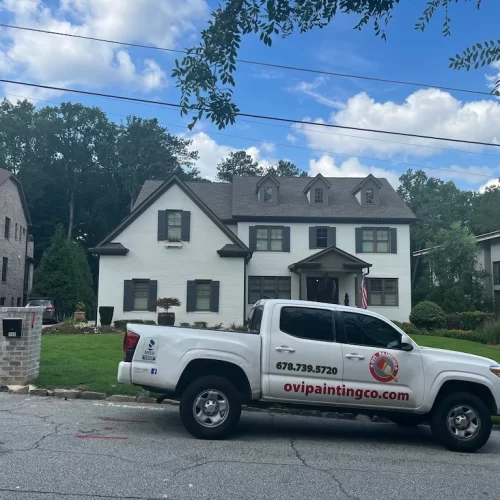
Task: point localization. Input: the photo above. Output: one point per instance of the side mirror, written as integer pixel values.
(405, 346)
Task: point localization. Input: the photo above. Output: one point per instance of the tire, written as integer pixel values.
(191, 405)
(407, 421)
(455, 407)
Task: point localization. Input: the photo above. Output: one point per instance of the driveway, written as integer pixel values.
(53, 449)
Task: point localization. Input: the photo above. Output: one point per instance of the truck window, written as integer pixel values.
(308, 323)
(256, 319)
(361, 329)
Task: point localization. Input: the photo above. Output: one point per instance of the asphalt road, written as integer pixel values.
(53, 449)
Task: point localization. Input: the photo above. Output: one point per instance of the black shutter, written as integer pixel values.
(286, 239)
(214, 296)
(332, 236)
(394, 240)
(152, 295)
(162, 225)
(191, 296)
(186, 226)
(128, 295)
(252, 238)
(359, 240)
(312, 237)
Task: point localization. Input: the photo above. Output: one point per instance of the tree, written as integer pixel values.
(285, 168)
(213, 62)
(64, 274)
(237, 163)
(486, 210)
(457, 278)
(146, 150)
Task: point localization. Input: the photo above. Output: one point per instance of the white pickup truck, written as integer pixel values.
(319, 356)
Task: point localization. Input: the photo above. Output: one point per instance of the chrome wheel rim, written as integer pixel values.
(463, 422)
(211, 408)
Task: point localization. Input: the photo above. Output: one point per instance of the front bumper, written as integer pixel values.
(124, 373)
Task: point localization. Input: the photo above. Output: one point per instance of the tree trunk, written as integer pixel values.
(71, 215)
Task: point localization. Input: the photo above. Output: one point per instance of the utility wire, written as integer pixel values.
(334, 153)
(255, 63)
(251, 115)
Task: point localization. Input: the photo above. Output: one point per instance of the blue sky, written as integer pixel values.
(406, 55)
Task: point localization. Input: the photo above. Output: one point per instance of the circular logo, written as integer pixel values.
(384, 367)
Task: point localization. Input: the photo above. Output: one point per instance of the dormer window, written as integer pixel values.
(268, 195)
(267, 190)
(318, 195)
(369, 197)
(316, 190)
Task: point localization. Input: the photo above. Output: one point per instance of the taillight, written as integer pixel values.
(129, 344)
(50, 308)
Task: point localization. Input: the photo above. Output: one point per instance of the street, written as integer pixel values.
(56, 449)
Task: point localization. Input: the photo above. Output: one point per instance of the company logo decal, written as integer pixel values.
(384, 367)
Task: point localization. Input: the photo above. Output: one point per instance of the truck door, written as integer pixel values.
(377, 372)
(305, 362)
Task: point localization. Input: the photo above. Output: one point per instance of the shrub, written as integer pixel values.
(122, 323)
(167, 303)
(474, 320)
(472, 335)
(84, 328)
(184, 325)
(453, 321)
(238, 328)
(106, 315)
(428, 315)
(200, 324)
(491, 332)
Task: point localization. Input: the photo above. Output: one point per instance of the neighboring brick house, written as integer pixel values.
(16, 245)
(219, 247)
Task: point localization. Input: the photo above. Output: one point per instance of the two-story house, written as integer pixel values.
(219, 247)
(16, 245)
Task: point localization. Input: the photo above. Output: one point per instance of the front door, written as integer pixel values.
(376, 371)
(305, 362)
(323, 289)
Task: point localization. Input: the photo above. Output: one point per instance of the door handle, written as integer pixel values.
(284, 348)
(354, 356)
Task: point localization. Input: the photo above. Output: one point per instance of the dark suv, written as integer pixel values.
(49, 313)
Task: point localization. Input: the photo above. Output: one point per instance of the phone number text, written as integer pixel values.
(300, 367)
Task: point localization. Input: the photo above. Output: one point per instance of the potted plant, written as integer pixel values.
(79, 314)
(106, 315)
(167, 318)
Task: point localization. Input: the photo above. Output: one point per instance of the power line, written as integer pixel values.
(251, 115)
(334, 153)
(251, 62)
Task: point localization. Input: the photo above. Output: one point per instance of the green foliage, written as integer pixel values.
(122, 323)
(205, 76)
(167, 303)
(237, 163)
(106, 315)
(184, 325)
(64, 274)
(453, 321)
(427, 315)
(238, 328)
(200, 324)
(285, 168)
(491, 332)
(474, 320)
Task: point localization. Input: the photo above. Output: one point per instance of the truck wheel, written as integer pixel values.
(210, 408)
(407, 421)
(461, 422)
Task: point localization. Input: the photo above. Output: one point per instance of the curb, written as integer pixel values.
(70, 394)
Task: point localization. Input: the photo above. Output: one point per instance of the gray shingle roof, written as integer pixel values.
(239, 200)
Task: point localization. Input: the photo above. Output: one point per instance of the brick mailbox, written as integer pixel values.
(20, 341)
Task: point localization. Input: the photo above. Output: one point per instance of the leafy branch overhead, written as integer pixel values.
(205, 75)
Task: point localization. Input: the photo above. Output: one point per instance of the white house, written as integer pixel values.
(219, 247)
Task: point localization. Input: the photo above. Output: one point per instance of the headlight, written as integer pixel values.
(495, 370)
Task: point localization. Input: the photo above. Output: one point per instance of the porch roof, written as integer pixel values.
(317, 261)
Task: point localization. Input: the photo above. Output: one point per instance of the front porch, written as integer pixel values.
(332, 276)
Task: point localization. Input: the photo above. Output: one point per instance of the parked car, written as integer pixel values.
(50, 313)
(317, 356)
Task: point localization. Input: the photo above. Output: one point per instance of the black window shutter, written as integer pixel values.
(162, 225)
(394, 240)
(359, 240)
(312, 237)
(252, 238)
(214, 296)
(286, 239)
(186, 226)
(152, 295)
(191, 296)
(332, 236)
(128, 295)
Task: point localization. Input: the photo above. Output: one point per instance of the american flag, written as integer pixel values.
(364, 294)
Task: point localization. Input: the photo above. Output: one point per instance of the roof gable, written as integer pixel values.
(366, 180)
(264, 179)
(313, 181)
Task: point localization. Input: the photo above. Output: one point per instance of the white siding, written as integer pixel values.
(383, 265)
(495, 257)
(197, 259)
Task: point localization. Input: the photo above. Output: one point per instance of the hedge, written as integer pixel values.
(122, 323)
(474, 320)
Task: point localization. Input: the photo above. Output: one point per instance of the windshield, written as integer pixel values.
(39, 302)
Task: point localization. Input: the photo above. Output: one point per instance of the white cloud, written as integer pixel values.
(311, 89)
(491, 183)
(62, 61)
(426, 112)
(470, 175)
(268, 147)
(351, 167)
(291, 138)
